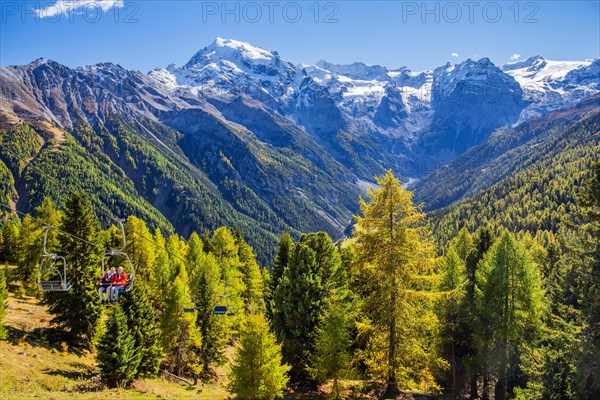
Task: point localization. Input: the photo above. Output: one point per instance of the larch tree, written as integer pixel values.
(140, 248)
(583, 269)
(395, 250)
(252, 294)
(162, 272)
(180, 339)
(29, 253)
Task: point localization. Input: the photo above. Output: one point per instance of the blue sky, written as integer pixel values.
(421, 35)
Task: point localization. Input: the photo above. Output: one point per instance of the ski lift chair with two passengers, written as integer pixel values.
(120, 253)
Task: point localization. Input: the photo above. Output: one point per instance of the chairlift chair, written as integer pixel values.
(223, 309)
(52, 265)
(121, 253)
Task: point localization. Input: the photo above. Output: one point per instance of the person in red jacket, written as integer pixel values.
(119, 281)
(105, 284)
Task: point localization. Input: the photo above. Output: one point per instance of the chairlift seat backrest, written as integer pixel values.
(220, 310)
(48, 267)
(190, 309)
(129, 283)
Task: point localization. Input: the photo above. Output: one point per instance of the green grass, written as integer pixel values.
(33, 365)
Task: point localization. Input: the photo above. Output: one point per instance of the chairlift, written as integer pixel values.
(120, 253)
(223, 309)
(52, 265)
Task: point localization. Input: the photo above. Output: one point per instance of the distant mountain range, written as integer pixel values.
(267, 145)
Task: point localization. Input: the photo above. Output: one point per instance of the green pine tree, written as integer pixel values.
(78, 310)
(257, 372)
(117, 354)
(282, 258)
(312, 272)
(143, 324)
(509, 302)
(455, 318)
(331, 359)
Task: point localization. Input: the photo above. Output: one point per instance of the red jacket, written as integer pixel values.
(119, 280)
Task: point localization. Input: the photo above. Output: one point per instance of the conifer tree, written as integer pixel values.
(395, 250)
(143, 324)
(252, 295)
(224, 248)
(194, 256)
(29, 253)
(284, 254)
(509, 302)
(583, 277)
(257, 372)
(78, 310)
(208, 287)
(140, 248)
(482, 241)
(179, 336)
(455, 318)
(117, 354)
(162, 272)
(331, 359)
(463, 244)
(10, 236)
(312, 273)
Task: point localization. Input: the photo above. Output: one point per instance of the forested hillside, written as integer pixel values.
(498, 315)
(129, 174)
(537, 182)
(505, 153)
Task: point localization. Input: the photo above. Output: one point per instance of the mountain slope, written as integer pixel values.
(505, 153)
(537, 183)
(241, 137)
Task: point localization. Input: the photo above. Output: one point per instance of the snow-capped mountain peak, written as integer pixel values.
(233, 51)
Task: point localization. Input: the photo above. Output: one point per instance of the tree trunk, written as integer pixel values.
(500, 389)
(486, 385)
(473, 387)
(454, 385)
(392, 386)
